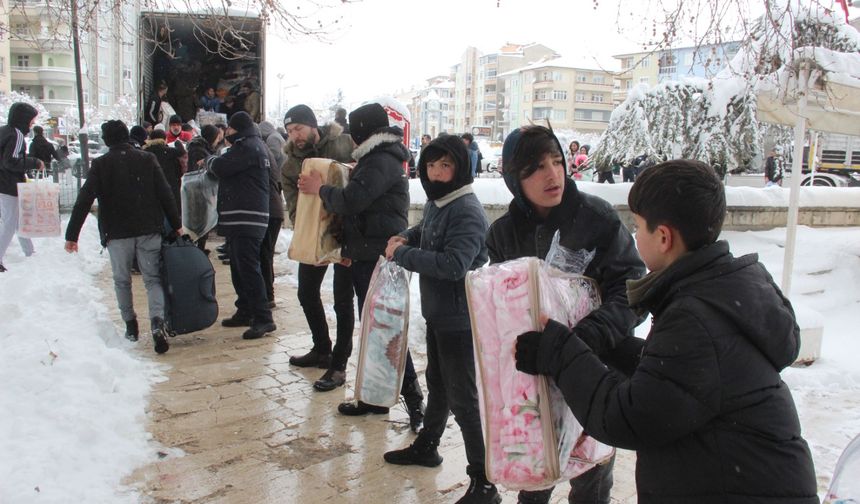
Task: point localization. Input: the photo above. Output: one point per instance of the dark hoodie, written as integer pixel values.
(448, 242)
(14, 162)
(705, 409)
(375, 201)
(586, 224)
(243, 181)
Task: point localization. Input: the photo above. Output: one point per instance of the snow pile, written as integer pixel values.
(492, 191)
(74, 393)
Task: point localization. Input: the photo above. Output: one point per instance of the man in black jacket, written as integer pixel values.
(41, 148)
(243, 217)
(170, 159)
(14, 165)
(374, 205)
(705, 409)
(134, 199)
(546, 201)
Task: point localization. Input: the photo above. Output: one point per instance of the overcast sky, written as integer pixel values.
(388, 45)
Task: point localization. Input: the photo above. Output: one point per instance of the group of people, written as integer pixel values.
(245, 99)
(700, 400)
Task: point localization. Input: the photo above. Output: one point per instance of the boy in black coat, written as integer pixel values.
(374, 205)
(442, 249)
(546, 201)
(705, 409)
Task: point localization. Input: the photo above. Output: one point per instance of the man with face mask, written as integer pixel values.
(14, 165)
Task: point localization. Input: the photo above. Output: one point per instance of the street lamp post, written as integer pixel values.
(280, 77)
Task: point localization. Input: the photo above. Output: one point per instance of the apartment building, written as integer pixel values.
(432, 107)
(672, 64)
(42, 63)
(5, 75)
(479, 94)
(570, 92)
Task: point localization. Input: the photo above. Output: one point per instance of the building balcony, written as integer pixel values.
(25, 76)
(58, 107)
(543, 84)
(57, 76)
(38, 45)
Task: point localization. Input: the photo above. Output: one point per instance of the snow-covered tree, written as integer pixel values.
(715, 120)
(6, 101)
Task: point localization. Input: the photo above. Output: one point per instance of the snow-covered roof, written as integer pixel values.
(579, 62)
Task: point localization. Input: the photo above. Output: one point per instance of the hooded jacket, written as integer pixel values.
(332, 144)
(375, 202)
(14, 162)
(243, 184)
(133, 195)
(586, 224)
(705, 409)
(447, 243)
(275, 142)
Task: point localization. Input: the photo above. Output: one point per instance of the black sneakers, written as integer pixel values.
(331, 380)
(414, 400)
(131, 330)
(258, 330)
(422, 452)
(480, 491)
(159, 335)
(237, 320)
(312, 359)
(360, 408)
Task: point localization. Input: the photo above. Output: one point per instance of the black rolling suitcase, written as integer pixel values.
(188, 279)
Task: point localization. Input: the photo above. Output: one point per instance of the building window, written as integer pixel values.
(644, 63)
(24, 90)
(2, 65)
(86, 97)
(581, 78)
(643, 80)
(541, 113)
(491, 73)
(126, 73)
(542, 94)
(21, 29)
(51, 94)
(580, 96)
(102, 70)
(598, 79)
(597, 98)
(628, 83)
(103, 99)
(559, 95)
(23, 60)
(559, 115)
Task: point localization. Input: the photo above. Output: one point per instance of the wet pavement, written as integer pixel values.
(239, 424)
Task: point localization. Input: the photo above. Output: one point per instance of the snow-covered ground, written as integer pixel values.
(74, 393)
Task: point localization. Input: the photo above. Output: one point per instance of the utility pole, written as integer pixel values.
(82, 132)
(280, 77)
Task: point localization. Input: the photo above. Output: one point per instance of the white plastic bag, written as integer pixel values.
(38, 209)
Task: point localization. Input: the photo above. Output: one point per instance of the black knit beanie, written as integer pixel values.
(241, 121)
(209, 133)
(300, 114)
(138, 134)
(114, 133)
(366, 120)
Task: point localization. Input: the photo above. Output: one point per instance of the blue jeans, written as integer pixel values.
(362, 271)
(451, 387)
(591, 487)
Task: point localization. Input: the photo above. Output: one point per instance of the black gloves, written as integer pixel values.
(527, 352)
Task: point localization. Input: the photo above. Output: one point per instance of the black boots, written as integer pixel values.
(359, 408)
(237, 320)
(414, 400)
(331, 380)
(312, 359)
(480, 491)
(131, 330)
(257, 331)
(159, 335)
(422, 452)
